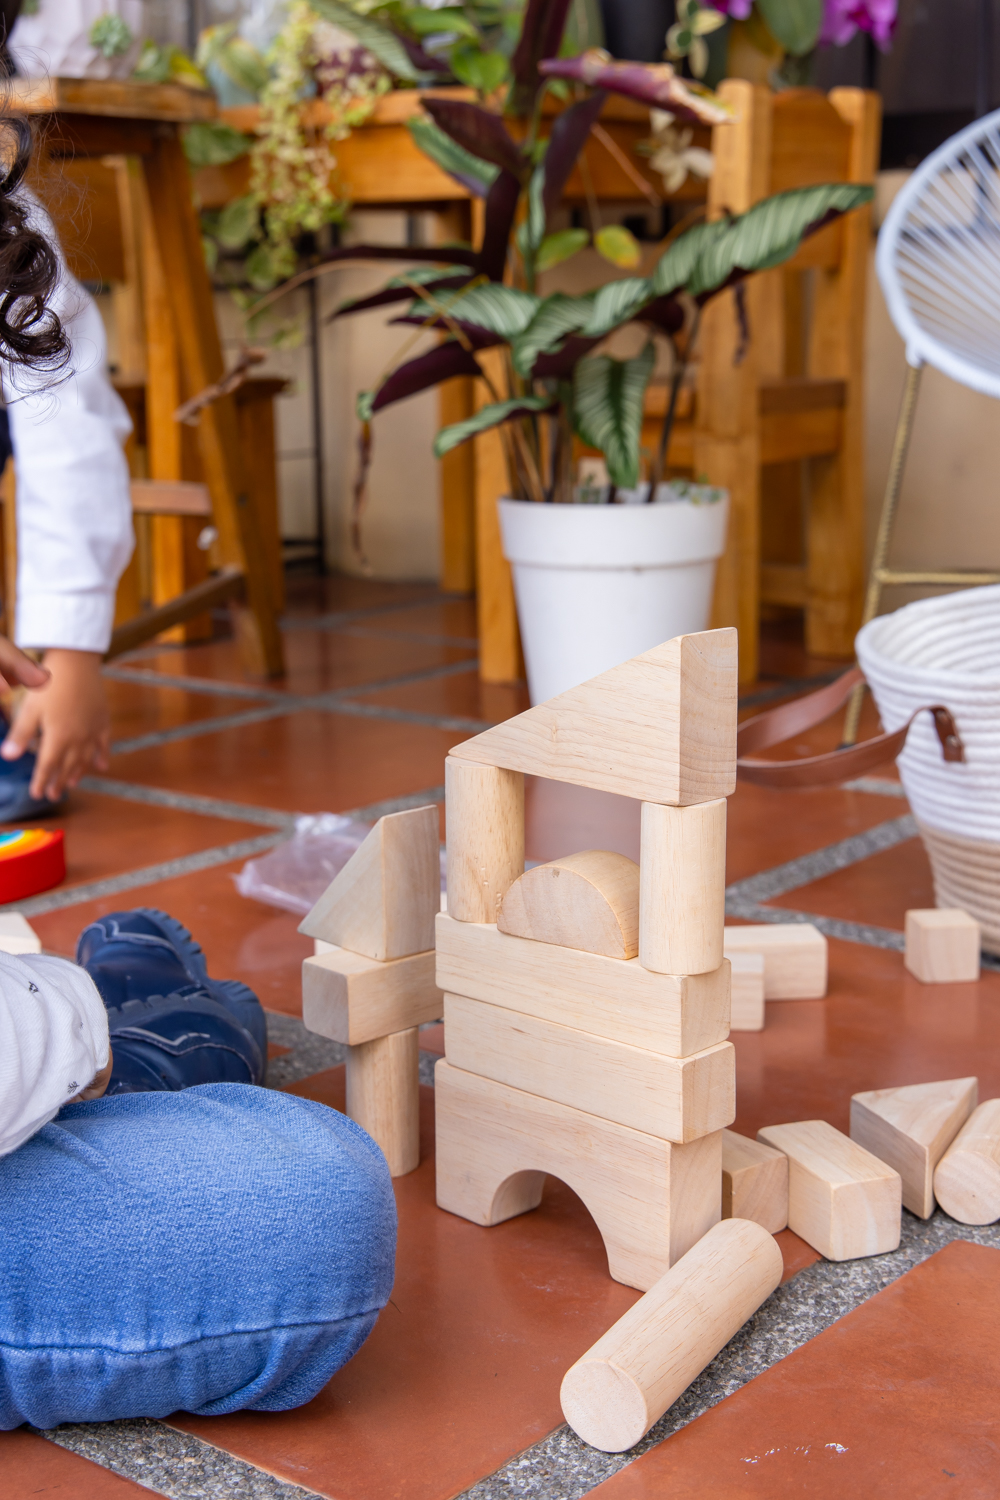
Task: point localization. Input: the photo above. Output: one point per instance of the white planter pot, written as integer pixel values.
(599, 584)
(55, 40)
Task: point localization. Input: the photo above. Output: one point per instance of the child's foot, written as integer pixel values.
(138, 958)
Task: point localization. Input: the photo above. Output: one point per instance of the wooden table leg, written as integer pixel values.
(241, 543)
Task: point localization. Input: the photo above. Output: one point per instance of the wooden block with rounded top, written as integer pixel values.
(588, 901)
(651, 1200)
(627, 1380)
(967, 1179)
(747, 1008)
(841, 1199)
(383, 1096)
(678, 1098)
(794, 954)
(676, 1014)
(682, 887)
(910, 1128)
(354, 999)
(754, 1182)
(661, 727)
(942, 945)
(384, 901)
(484, 828)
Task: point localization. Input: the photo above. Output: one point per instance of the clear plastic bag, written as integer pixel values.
(296, 873)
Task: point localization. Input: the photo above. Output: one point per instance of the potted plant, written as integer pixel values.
(595, 583)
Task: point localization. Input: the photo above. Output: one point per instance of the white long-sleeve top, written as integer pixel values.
(53, 1041)
(74, 509)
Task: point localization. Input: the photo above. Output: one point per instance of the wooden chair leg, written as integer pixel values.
(500, 658)
(241, 544)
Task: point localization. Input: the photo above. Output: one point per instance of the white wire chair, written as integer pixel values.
(938, 262)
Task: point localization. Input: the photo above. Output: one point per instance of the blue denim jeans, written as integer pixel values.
(211, 1250)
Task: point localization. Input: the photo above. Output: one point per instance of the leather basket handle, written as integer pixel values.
(780, 724)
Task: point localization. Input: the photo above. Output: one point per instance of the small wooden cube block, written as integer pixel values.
(942, 945)
(677, 1014)
(754, 1182)
(794, 954)
(354, 999)
(678, 1099)
(841, 1200)
(747, 1005)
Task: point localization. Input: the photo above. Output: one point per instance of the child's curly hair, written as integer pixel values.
(30, 333)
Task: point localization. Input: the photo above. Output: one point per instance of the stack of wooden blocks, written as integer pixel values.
(587, 1002)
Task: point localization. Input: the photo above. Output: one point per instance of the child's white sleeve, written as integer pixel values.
(53, 1041)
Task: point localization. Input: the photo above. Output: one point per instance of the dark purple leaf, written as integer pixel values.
(562, 364)
(392, 294)
(477, 130)
(441, 363)
(541, 33)
(569, 135)
(421, 60)
(656, 84)
(501, 208)
(664, 313)
(479, 338)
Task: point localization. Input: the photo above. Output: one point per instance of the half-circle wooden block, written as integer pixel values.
(588, 901)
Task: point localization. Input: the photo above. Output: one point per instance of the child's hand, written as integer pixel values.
(101, 1080)
(70, 714)
(18, 670)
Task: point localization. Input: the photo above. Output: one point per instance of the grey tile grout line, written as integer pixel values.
(783, 878)
(207, 807)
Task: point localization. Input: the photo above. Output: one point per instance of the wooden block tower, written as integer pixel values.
(587, 1001)
(374, 986)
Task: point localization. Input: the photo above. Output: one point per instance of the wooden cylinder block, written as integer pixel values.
(613, 1395)
(967, 1179)
(485, 836)
(383, 1096)
(586, 901)
(682, 887)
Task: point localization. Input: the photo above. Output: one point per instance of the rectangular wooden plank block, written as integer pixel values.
(354, 999)
(610, 997)
(910, 1128)
(754, 1182)
(841, 1199)
(679, 1099)
(795, 957)
(383, 1096)
(682, 887)
(747, 1009)
(650, 1199)
(661, 727)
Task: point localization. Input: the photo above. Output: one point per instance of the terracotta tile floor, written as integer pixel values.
(462, 1372)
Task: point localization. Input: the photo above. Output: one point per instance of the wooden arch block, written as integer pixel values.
(910, 1128)
(384, 901)
(650, 1200)
(587, 901)
(661, 727)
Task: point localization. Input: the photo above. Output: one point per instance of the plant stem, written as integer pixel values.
(680, 369)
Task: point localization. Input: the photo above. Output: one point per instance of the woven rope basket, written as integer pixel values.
(947, 650)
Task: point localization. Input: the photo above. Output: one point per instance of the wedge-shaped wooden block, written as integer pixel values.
(354, 999)
(748, 992)
(384, 901)
(625, 1382)
(679, 1099)
(794, 953)
(588, 901)
(650, 1200)
(841, 1200)
(669, 1013)
(383, 1096)
(484, 818)
(661, 727)
(754, 1182)
(910, 1128)
(682, 887)
(942, 945)
(967, 1180)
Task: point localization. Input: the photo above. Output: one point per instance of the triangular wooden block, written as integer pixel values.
(384, 901)
(910, 1128)
(661, 727)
